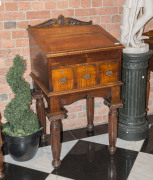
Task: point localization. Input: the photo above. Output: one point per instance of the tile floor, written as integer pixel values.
(87, 158)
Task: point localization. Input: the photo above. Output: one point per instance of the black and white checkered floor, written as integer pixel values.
(87, 158)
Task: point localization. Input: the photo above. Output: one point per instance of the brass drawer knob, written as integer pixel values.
(87, 76)
(62, 80)
(109, 73)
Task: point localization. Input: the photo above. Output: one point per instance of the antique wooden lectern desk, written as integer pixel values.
(73, 60)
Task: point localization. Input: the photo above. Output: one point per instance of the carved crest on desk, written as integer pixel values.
(62, 21)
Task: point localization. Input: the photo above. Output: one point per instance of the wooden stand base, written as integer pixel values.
(56, 113)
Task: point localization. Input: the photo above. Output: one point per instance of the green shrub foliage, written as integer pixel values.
(21, 121)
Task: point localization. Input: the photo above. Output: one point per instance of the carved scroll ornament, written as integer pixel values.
(62, 21)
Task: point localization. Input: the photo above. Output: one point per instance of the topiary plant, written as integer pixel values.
(21, 121)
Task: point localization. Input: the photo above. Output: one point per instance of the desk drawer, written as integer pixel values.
(108, 72)
(86, 75)
(62, 79)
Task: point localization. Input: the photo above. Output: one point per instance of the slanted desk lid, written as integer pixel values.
(64, 40)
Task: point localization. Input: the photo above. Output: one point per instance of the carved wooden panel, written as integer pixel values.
(62, 21)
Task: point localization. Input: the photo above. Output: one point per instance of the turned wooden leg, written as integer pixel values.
(1, 155)
(55, 142)
(90, 113)
(55, 115)
(112, 123)
(148, 90)
(40, 108)
(112, 129)
(55, 127)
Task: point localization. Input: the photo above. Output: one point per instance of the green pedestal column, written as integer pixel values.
(133, 125)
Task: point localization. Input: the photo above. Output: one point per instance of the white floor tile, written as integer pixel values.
(142, 168)
(43, 158)
(55, 177)
(103, 139)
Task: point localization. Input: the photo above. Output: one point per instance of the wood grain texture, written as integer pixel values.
(83, 62)
(40, 108)
(86, 75)
(112, 123)
(78, 38)
(62, 79)
(108, 72)
(90, 113)
(39, 62)
(55, 142)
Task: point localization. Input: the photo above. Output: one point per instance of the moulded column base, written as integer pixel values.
(133, 132)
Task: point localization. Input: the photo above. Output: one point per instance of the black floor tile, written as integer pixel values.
(65, 136)
(82, 133)
(92, 161)
(14, 172)
(77, 134)
(147, 146)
